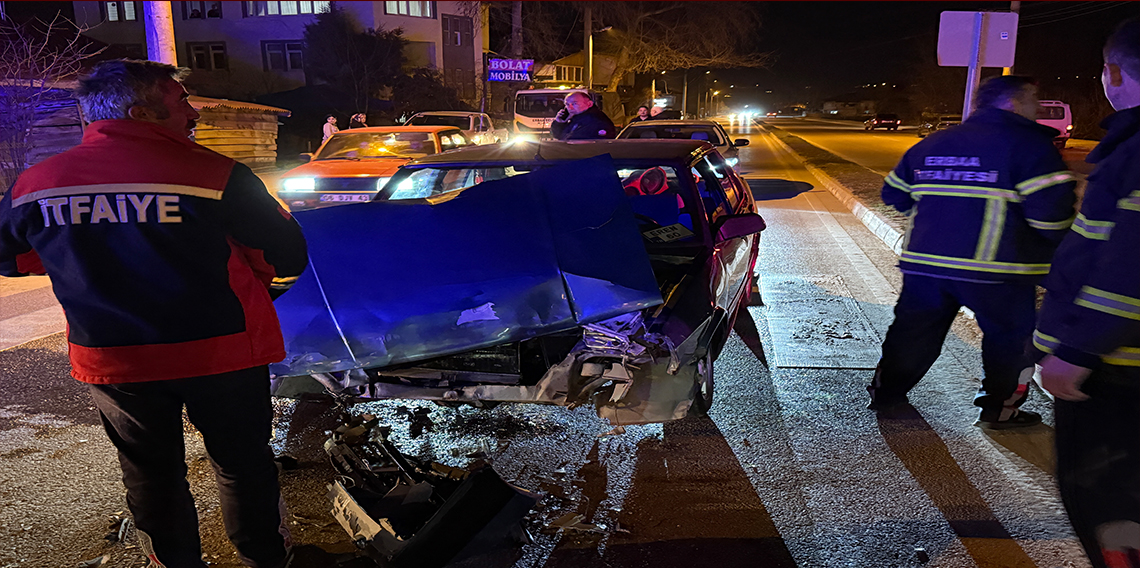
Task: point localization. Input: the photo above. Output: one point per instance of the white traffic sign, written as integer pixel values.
(956, 37)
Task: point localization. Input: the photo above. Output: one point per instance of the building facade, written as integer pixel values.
(245, 49)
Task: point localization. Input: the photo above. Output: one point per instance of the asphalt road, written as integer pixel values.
(789, 470)
(880, 150)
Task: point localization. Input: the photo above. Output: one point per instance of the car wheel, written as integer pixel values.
(703, 387)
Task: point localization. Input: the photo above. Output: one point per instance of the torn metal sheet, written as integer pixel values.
(816, 323)
(400, 281)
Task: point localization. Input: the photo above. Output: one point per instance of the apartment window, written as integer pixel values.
(201, 10)
(283, 55)
(120, 11)
(410, 8)
(284, 8)
(207, 56)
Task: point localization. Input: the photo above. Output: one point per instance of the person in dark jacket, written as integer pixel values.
(580, 119)
(358, 120)
(988, 201)
(642, 114)
(165, 257)
(1090, 326)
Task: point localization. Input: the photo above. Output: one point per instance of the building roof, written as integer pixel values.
(200, 103)
(522, 152)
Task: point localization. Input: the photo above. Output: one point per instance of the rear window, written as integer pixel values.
(1050, 113)
(667, 132)
(460, 122)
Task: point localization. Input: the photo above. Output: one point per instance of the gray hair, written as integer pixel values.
(998, 90)
(113, 87)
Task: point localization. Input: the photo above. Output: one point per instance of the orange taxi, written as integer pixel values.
(353, 165)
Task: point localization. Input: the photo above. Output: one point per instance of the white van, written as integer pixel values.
(535, 109)
(1057, 115)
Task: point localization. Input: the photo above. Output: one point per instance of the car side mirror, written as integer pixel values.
(740, 142)
(305, 156)
(737, 226)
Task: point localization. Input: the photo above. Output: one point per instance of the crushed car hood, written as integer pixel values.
(393, 282)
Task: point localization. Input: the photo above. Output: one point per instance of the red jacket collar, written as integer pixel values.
(103, 130)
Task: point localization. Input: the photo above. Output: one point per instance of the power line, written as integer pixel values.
(1111, 6)
(1065, 10)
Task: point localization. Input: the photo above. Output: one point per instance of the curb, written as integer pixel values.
(874, 222)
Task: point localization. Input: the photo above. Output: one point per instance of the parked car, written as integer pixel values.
(1056, 114)
(882, 120)
(352, 165)
(707, 130)
(690, 224)
(931, 124)
(476, 126)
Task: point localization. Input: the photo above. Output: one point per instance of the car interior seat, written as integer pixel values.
(700, 136)
(648, 134)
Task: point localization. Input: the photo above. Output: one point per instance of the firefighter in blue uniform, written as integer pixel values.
(988, 202)
(1090, 325)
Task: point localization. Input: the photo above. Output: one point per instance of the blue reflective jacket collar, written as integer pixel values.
(1121, 125)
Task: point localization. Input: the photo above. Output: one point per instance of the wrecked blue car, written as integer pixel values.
(602, 272)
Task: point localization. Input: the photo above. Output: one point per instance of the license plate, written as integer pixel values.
(346, 197)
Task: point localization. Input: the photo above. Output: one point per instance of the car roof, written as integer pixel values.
(446, 113)
(381, 129)
(671, 122)
(553, 150)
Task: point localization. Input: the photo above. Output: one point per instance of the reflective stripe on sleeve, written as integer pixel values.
(992, 226)
(1089, 229)
(974, 264)
(896, 182)
(283, 283)
(1033, 185)
(1109, 303)
(1050, 225)
(1124, 356)
(1046, 343)
(1131, 203)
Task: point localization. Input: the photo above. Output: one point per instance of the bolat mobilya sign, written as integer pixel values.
(516, 70)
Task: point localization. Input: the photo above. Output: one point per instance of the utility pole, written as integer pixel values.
(1015, 7)
(652, 92)
(516, 29)
(685, 95)
(159, 32)
(588, 47)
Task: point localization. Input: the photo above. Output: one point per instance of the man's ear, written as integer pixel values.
(1114, 74)
(138, 112)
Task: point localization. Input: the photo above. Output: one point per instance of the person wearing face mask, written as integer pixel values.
(989, 201)
(166, 257)
(1090, 328)
(580, 119)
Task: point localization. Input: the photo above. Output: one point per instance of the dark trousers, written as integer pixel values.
(234, 414)
(923, 316)
(1098, 465)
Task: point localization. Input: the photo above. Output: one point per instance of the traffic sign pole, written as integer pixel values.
(973, 78)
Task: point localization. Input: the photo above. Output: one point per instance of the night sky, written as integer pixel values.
(834, 47)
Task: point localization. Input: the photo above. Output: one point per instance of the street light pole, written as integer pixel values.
(159, 32)
(1015, 7)
(588, 72)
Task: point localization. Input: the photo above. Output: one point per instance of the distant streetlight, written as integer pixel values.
(707, 72)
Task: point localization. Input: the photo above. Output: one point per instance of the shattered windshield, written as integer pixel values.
(355, 146)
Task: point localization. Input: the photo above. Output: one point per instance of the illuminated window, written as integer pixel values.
(410, 8)
(207, 56)
(284, 7)
(283, 55)
(120, 11)
(206, 10)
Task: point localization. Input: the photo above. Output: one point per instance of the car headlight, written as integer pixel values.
(733, 161)
(1069, 127)
(381, 182)
(299, 184)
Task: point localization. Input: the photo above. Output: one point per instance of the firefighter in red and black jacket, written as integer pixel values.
(166, 257)
(988, 201)
(1090, 326)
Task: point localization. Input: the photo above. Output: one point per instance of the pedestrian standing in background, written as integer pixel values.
(655, 112)
(642, 114)
(1090, 326)
(166, 257)
(329, 128)
(358, 120)
(581, 119)
(989, 201)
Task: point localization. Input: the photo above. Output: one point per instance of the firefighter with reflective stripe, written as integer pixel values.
(988, 202)
(1090, 326)
(165, 257)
